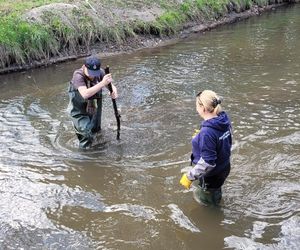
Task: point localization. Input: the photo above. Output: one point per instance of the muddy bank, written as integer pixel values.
(126, 40)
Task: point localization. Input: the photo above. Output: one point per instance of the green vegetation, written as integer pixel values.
(19, 6)
(69, 31)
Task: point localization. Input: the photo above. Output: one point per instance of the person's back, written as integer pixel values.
(217, 131)
(211, 149)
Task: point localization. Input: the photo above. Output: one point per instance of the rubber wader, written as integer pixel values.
(86, 125)
(208, 196)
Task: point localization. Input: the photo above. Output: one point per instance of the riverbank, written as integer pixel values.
(40, 33)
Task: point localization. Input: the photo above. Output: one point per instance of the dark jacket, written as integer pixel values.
(211, 147)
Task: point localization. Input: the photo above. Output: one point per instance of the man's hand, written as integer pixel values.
(88, 92)
(107, 79)
(114, 93)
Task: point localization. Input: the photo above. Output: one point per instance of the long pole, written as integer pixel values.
(117, 115)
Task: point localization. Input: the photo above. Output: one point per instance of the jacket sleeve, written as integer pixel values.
(207, 161)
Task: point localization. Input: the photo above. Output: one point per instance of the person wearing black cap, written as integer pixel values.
(85, 94)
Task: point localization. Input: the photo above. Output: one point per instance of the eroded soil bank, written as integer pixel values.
(58, 32)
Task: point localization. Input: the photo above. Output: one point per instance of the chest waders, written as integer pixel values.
(208, 196)
(209, 188)
(86, 124)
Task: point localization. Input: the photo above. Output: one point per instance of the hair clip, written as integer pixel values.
(216, 102)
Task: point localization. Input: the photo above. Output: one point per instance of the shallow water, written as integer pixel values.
(126, 195)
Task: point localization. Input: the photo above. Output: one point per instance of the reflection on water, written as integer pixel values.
(125, 194)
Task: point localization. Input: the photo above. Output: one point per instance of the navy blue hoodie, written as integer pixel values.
(211, 147)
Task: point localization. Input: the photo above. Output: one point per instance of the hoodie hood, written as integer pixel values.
(221, 122)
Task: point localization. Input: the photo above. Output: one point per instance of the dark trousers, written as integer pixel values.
(215, 181)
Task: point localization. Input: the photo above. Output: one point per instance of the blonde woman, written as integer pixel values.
(211, 149)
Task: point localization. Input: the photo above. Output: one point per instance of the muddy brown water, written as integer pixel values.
(125, 195)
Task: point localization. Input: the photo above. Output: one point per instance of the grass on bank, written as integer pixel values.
(22, 42)
(19, 6)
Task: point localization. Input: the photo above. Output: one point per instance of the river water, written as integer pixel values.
(126, 195)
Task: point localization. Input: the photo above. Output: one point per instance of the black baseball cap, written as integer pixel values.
(93, 64)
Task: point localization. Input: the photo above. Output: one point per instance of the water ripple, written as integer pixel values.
(290, 237)
(181, 219)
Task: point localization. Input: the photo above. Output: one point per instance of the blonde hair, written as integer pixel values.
(210, 101)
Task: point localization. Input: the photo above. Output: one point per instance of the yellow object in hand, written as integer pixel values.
(184, 181)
